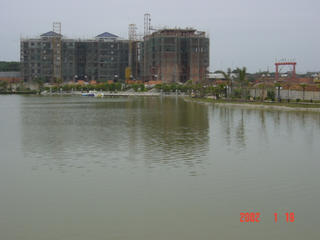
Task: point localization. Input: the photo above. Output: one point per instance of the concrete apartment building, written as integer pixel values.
(52, 57)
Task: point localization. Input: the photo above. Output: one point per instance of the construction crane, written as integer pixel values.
(132, 32)
(56, 49)
(147, 24)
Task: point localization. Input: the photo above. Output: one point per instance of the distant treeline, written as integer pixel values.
(9, 66)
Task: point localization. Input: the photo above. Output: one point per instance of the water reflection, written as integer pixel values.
(125, 132)
(239, 125)
(240, 133)
(231, 126)
(113, 132)
(175, 133)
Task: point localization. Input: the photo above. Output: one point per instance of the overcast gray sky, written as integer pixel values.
(247, 33)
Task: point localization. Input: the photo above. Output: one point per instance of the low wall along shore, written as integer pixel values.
(288, 94)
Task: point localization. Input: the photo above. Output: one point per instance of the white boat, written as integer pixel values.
(89, 94)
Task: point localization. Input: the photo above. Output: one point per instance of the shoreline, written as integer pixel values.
(111, 94)
(284, 106)
(259, 105)
(18, 92)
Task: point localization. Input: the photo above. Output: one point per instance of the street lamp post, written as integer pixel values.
(227, 87)
(278, 87)
(279, 97)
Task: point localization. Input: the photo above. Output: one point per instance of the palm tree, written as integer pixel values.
(242, 78)
(222, 89)
(227, 76)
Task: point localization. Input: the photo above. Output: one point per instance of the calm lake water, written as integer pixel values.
(78, 168)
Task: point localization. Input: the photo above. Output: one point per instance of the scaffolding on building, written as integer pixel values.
(167, 55)
(176, 55)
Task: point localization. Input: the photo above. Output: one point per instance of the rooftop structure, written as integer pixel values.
(107, 35)
(50, 34)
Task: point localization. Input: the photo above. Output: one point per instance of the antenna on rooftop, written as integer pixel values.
(132, 37)
(56, 49)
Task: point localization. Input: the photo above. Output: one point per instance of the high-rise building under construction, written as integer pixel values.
(167, 55)
(175, 55)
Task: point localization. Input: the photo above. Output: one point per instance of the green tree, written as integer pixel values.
(158, 86)
(118, 86)
(242, 72)
(227, 76)
(58, 81)
(3, 85)
(9, 66)
(271, 94)
(40, 82)
(188, 83)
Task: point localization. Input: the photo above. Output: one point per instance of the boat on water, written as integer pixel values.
(93, 94)
(88, 94)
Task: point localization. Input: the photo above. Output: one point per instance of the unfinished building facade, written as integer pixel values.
(175, 55)
(55, 58)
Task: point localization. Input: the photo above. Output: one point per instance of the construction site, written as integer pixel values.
(158, 55)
